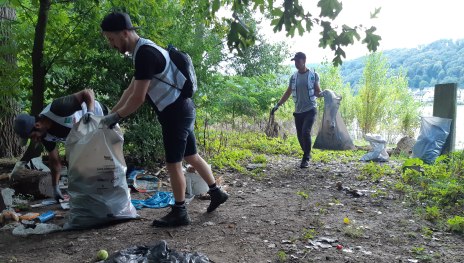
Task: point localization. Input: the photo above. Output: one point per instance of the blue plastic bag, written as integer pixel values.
(158, 200)
(433, 134)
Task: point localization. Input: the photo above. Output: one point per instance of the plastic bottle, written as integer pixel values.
(46, 216)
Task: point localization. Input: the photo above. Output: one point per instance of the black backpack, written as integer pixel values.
(184, 63)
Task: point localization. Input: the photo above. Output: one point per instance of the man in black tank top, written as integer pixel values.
(48, 132)
(176, 114)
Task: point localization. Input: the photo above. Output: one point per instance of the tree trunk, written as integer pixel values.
(39, 69)
(9, 108)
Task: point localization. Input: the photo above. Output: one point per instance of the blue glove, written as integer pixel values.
(57, 193)
(111, 119)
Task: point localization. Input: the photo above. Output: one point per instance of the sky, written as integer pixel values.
(400, 23)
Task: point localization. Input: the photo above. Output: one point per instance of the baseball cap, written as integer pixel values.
(23, 125)
(116, 21)
(299, 55)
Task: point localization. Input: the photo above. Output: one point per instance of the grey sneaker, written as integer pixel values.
(218, 197)
(177, 217)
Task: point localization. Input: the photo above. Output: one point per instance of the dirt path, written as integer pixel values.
(265, 220)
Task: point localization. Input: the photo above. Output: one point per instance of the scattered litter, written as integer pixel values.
(349, 191)
(208, 223)
(46, 216)
(319, 244)
(158, 200)
(7, 195)
(339, 247)
(65, 205)
(286, 241)
(49, 202)
(156, 253)
(346, 221)
(39, 229)
(271, 245)
(145, 183)
(7, 217)
(195, 185)
(413, 260)
(323, 242)
(29, 216)
(327, 240)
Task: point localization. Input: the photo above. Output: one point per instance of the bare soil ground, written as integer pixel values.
(265, 220)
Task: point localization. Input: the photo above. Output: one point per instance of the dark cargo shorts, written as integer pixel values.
(177, 121)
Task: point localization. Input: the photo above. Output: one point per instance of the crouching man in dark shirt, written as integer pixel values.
(53, 125)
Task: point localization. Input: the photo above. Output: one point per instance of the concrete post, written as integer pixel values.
(445, 106)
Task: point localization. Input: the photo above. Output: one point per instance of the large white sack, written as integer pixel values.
(97, 176)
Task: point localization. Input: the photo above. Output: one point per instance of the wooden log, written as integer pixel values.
(32, 182)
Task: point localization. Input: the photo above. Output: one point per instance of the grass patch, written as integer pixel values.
(438, 187)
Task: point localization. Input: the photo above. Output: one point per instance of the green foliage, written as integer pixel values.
(230, 159)
(376, 171)
(432, 213)
(282, 256)
(144, 141)
(439, 186)
(291, 17)
(384, 102)
(456, 224)
(260, 158)
(309, 233)
(303, 194)
(327, 156)
(353, 231)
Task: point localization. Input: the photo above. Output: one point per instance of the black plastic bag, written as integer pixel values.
(159, 253)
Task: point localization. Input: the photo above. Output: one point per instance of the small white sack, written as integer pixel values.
(97, 176)
(378, 152)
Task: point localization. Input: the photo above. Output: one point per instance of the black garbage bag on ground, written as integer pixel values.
(333, 134)
(158, 253)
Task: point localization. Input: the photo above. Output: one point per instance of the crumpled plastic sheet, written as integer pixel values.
(40, 229)
(159, 253)
(158, 200)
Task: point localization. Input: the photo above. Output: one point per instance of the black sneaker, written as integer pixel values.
(177, 217)
(218, 197)
(304, 164)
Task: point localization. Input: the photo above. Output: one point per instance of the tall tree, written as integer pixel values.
(39, 69)
(9, 144)
(372, 95)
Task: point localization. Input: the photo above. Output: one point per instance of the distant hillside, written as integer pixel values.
(439, 62)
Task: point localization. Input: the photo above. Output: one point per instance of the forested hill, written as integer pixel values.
(439, 62)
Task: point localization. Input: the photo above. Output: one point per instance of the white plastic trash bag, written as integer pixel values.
(96, 176)
(433, 134)
(378, 152)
